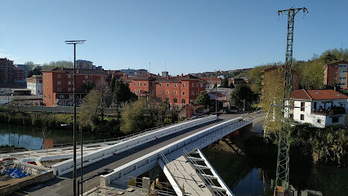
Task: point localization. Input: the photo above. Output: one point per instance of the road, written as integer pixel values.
(62, 185)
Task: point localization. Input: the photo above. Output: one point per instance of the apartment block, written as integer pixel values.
(57, 84)
(336, 73)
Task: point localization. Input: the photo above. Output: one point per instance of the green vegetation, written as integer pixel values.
(325, 146)
(243, 97)
(202, 99)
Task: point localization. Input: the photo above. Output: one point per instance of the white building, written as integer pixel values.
(34, 83)
(319, 108)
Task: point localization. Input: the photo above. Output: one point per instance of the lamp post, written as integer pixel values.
(74, 42)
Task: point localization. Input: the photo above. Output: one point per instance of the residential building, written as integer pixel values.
(177, 90)
(319, 108)
(336, 73)
(142, 85)
(57, 84)
(211, 82)
(135, 72)
(34, 83)
(7, 72)
(84, 64)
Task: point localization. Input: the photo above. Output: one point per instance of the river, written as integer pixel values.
(245, 176)
(33, 138)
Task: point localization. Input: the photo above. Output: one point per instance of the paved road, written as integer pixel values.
(63, 185)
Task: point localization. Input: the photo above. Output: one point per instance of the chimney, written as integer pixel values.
(182, 75)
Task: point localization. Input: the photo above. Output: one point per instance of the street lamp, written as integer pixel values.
(74, 42)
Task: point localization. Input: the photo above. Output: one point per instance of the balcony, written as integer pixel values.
(330, 111)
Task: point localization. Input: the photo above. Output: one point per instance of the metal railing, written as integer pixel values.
(202, 174)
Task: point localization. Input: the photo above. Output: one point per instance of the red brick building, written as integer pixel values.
(57, 84)
(178, 90)
(336, 73)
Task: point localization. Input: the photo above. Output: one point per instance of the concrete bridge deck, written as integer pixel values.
(62, 185)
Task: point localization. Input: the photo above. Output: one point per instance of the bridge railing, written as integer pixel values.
(67, 166)
(148, 161)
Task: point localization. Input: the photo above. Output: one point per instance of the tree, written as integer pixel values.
(202, 99)
(105, 96)
(224, 83)
(242, 96)
(121, 92)
(87, 86)
(133, 117)
(88, 115)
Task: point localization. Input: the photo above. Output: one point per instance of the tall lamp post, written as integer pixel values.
(74, 42)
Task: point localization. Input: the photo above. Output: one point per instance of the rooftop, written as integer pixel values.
(317, 94)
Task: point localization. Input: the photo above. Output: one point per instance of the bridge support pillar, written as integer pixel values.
(146, 184)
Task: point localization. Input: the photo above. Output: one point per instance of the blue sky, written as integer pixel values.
(181, 36)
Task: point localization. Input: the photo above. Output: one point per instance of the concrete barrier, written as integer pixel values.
(67, 166)
(6, 190)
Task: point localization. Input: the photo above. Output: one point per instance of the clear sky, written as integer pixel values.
(181, 36)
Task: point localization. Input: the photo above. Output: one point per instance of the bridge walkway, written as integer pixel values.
(62, 185)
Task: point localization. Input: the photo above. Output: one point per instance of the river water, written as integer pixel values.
(244, 176)
(33, 138)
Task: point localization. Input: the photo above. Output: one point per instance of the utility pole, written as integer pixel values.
(74, 42)
(282, 173)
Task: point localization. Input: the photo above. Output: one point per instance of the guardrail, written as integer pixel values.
(67, 166)
(146, 162)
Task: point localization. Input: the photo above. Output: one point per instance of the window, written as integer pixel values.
(183, 93)
(175, 85)
(302, 117)
(160, 92)
(135, 84)
(197, 84)
(69, 82)
(315, 105)
(167, 84)
(167, 92)
(183, 101)
(59, 89)
(139, 84)
(61, 96)
(69, 89)
(302, 106)
(319, 121)
(144, 84)
(59, 76)
(175, 100)
(59, 82)
(160, 84)
(69, 76)
(335, 119)
(175, 92)
(201, 85)
(193, 84)
(183, 84)
(86, 76)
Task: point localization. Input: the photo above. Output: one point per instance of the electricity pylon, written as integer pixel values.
(282, 174)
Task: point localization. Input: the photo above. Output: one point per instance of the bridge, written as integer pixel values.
(133, 156)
